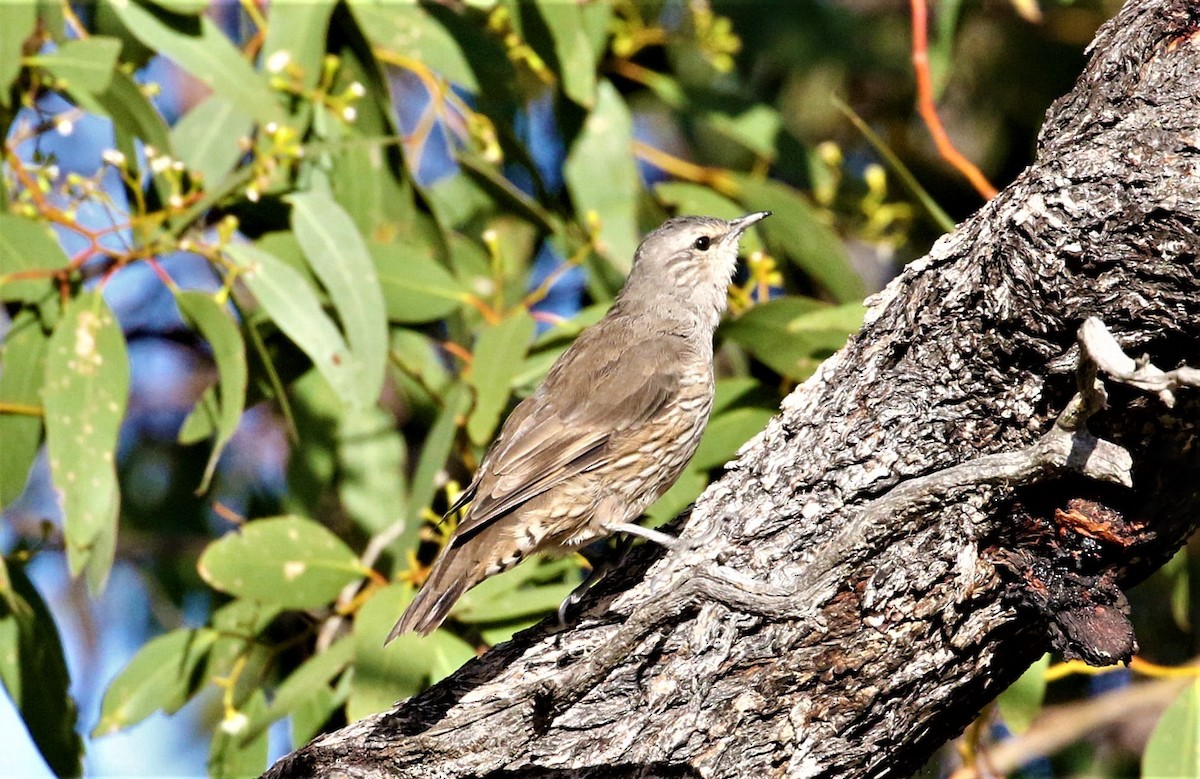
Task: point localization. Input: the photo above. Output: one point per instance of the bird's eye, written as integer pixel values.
(702, 243)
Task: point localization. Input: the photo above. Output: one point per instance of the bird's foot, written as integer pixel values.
(657, 536)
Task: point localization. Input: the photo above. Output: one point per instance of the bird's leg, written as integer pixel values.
(600, 562)
(657, 536)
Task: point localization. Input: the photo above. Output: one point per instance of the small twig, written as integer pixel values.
(928, 110)
(1102, 347)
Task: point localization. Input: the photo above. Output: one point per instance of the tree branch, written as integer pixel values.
(939, 504)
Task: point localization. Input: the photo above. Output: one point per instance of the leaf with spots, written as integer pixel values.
(162, 675)
(215, 323)
(86, 389)
(338, 256)
(289, 561)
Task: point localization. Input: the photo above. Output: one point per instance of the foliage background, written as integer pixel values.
(272, 274)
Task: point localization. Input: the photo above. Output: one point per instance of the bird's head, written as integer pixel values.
(689, 259)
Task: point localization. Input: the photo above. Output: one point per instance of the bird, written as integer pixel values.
(610, 428)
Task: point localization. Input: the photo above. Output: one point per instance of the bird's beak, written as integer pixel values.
(738, 226)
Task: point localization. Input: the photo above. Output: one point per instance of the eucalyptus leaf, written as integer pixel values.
(28, 252)
(288, 561)
(497, 358)
(602, 176)
(17, 22)
(198, 46)
(1174, 745)
(316, 672)
(33, 671)
(416, 287)
(22, 366)
(338, 256)
(384, 675)
(214, 322)
(209, 138)
(795, 232)
(86, 389)
(85, 64)
(160, 677)
(292, 305)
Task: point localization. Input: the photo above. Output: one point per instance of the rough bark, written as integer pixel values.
(914, 527)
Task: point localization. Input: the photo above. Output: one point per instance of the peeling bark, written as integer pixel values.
(922, 520)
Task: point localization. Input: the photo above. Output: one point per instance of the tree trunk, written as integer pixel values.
(921, 520)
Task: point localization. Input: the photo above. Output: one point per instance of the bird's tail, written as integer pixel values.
(452, 575)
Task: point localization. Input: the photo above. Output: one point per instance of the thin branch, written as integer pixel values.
(928, 109)
(1102, 347)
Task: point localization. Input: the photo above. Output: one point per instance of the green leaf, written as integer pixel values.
(339, 257)
(208, 138)
(289, 561)
(311, 713)
(26, 245)
(793, 335)
(315, 673)
(198, 46)
(1022, 701)
(434, 453)
(676, 499)
(498, 599)
(1177, 572)
(384, 675)
(371, 467)
(410, 30)
(34, 674)
(231, 755)
(161, 676)
(299, 30)
(726, 433)
(498, 354)
(602, 176)
(183, 7)
(22, 365)
(504, 192)
(416, 288)
(85, 64)
(688, 198)
(135, 119)
(755, 128)
(237, 625)
(17, 23)
(1174, 746)
(572, 48)
(456, 200)
(214, 322)
(293, 306)
(86, 388)
(797, 233)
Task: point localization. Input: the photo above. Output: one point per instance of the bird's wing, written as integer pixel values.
(564, 428)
